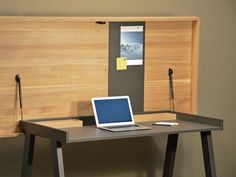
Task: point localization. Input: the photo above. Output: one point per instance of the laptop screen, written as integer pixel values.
(112, 110)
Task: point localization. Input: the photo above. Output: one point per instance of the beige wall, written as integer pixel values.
(217, 95)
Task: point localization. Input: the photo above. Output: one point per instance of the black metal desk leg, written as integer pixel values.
(28, 155)
(208, 154)
(58, 166)
(170, 155)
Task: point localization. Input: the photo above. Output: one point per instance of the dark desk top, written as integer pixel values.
(187, 123)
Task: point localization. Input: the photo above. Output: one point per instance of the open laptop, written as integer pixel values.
(115, 114)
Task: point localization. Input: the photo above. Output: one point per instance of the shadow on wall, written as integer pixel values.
(11, 151)
(141, 157)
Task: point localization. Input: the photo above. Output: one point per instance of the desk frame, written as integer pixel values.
(32, 130)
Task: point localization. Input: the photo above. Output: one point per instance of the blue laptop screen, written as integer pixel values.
(113, 110)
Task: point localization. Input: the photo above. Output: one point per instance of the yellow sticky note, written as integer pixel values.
(121, 63)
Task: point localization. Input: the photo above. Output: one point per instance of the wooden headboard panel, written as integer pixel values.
(63, 62)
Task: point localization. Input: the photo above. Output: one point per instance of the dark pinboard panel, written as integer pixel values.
(126, 82)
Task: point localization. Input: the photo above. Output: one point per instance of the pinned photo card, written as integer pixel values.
(131, 44)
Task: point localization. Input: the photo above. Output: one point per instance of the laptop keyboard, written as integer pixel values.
(122, 126)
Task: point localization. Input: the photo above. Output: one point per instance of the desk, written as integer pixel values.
(58, 136)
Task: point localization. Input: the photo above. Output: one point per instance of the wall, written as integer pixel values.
(217, 96)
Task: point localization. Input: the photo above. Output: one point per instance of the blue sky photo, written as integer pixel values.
(131, 45)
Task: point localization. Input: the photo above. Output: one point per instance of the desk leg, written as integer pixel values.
(208, 154)
(28, 155)
(58, 166)
(170, 155)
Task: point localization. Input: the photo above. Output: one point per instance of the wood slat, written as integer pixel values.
(62, 123)
(154, 117)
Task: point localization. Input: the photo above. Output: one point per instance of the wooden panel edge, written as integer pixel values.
(195, 62)
(110, 18)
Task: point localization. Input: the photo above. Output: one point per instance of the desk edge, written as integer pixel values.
(44, 131)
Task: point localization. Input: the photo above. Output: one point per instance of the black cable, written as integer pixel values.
(171, 89)
(18, 81)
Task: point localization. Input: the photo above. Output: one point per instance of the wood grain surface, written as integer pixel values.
(169, 44)
(63, 62)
